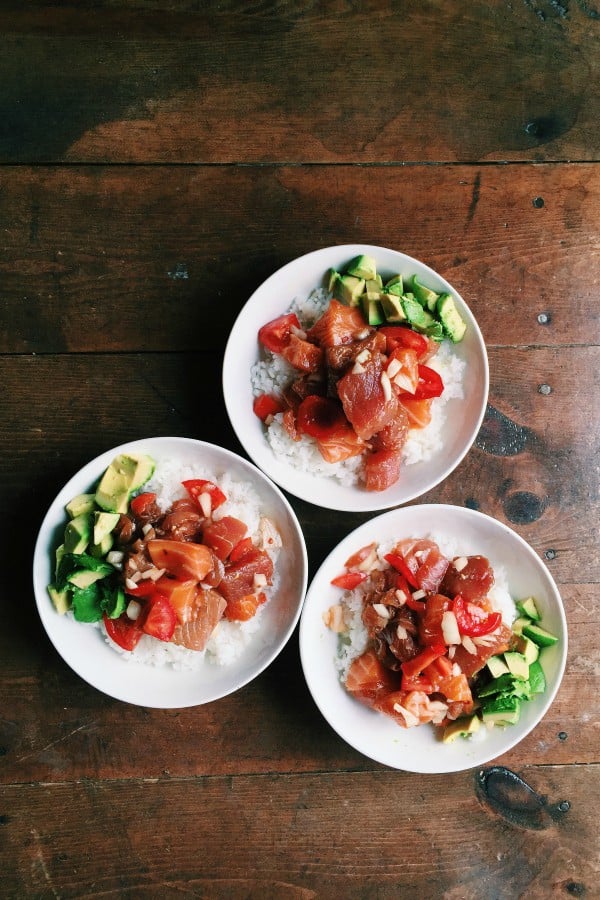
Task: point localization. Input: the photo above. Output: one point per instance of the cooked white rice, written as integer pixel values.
(354, 641)
(272, 373)
(229, 639)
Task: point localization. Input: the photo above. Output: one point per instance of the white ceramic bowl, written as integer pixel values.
(379, 737)
(273, 298)
(83, 647)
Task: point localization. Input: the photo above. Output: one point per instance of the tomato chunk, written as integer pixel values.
(266, 405)
(275, 335)
(161, 619)
(320, 417)
(197, 487)
(123, 631)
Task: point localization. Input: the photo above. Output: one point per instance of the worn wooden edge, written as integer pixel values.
(534, 830)
(88, 266)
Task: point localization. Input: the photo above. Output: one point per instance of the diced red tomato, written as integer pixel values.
(182, 559)
(142, 589)
(123, 631)
(140, 504)
(161, 619)
(266, 405)
(415, 666)
(198, 486)
(275, 335)
(223, 535)
(402, 336)
(472, 620)
(240, 609)
(242, 547)
(429, 383)
(320, 417)
(400, 564)
(349, 580)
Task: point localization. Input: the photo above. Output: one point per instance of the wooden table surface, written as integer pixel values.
(158, 161)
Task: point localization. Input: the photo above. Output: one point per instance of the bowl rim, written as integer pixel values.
(88, 474)
(309, 637)
(309, 488)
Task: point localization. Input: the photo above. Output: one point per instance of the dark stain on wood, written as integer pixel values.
(508, 795)
(474, 198)
(500, 436)
(523, 507)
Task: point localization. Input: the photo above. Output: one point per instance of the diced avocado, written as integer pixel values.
(374, 286)
(100, 550)
(86, 603)
(517, 664)
(114, 603)
(348, 289)
(528, 608)
(450, 318)
(84, 578)
(372, 311)
(418, 317)
(497, 666)
(60, 552)
(519, 624)
(126, 473)
(502, 711)
(539, 635)
(435, 331)
(423, 294)
(78, 533)
(80, 505)
(392, 308)
(104, 522)
(460, 728)
(61, 599)
(363, 267)
(395, 285)
(499, 685)
(331, 279)
(144, 471)
(537, 679)
(529, 650)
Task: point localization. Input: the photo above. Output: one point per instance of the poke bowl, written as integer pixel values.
(360, 403)
(144, 613)
(393, 669)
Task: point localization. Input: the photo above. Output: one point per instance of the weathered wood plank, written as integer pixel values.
(55, 727)
(364, 835)
(119, 259)
(289, 82)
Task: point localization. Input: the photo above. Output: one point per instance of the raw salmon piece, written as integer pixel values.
(303, 355)
(393, 436)
(382, 469)
(203, 617)
(367, 406)
(470, 663)
(342, 355)
(239, 577)
(182, 559)
(181, 595)
(418, 411)
(339, 324)
(342, 445)
(368, 679)
(222, 535)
